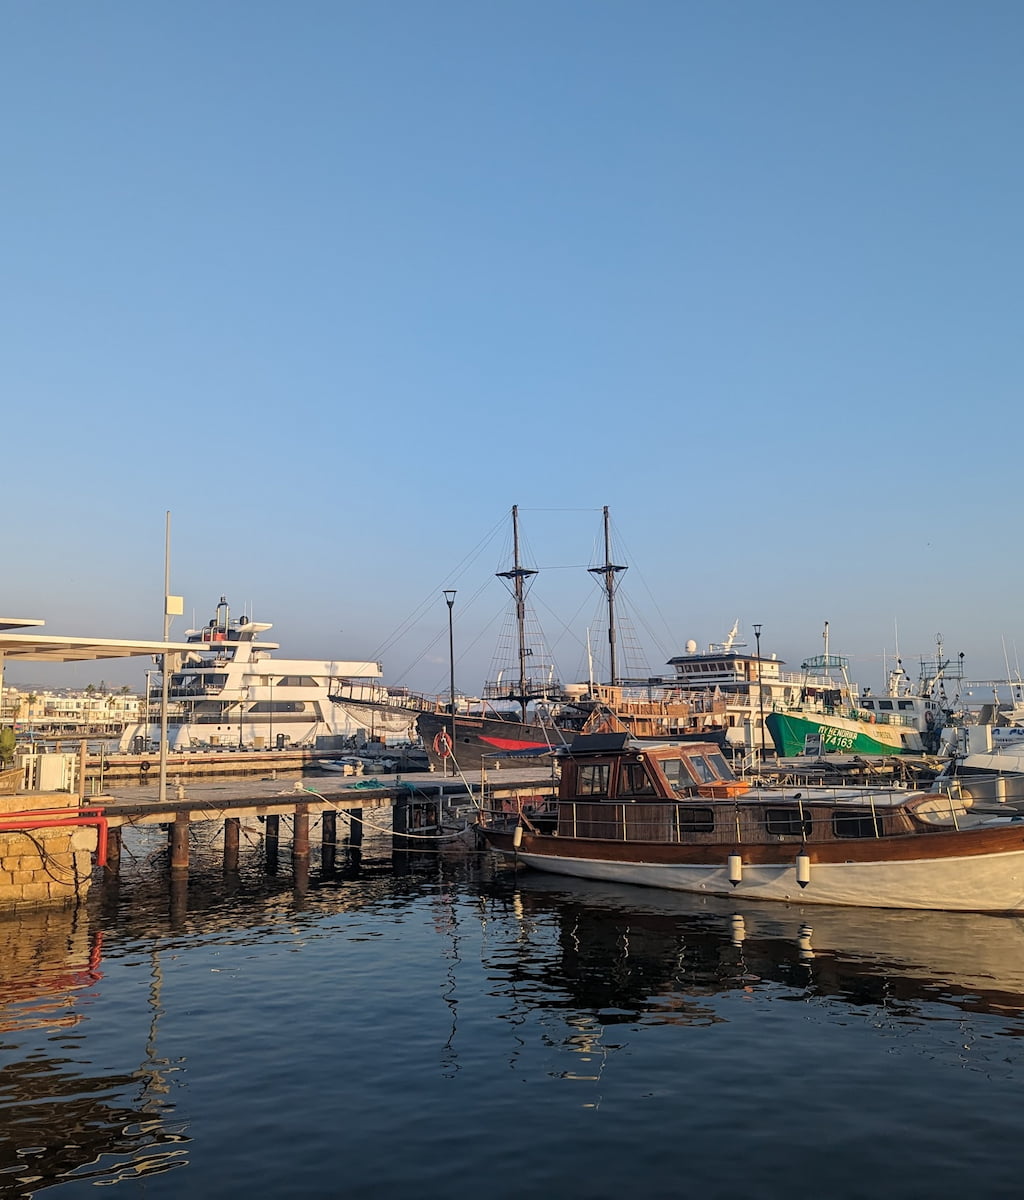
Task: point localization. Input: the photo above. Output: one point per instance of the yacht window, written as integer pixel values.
(856, 824)
(695, 820)
(786, 822)
(297, 681)
(277, 706)
(592, 780)
(635, 781)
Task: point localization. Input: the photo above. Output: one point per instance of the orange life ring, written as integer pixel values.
(442, 744)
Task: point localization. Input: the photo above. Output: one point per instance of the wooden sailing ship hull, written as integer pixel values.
(479, 741)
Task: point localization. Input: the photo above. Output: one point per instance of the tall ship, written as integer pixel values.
(231, 692)
(527, 710)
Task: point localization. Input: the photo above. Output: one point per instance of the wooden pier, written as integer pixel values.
(410, 808)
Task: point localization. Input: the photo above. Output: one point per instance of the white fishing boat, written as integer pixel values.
(231, 691)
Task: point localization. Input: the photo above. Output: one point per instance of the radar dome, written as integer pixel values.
(691, 647)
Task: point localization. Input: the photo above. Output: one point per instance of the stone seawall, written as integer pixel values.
(43, 865)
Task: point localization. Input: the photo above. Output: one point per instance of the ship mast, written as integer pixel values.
(518, 575)
(609, 571)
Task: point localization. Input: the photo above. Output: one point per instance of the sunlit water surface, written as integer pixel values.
(434, 1026)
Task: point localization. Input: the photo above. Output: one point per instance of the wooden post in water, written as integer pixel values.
(355, 828)
(179, 898)
(179, 842)
(113, 866)
(232, 826)
(300, 832)
(329, 840)
(271, 839)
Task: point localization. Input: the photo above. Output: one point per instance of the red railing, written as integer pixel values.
(57, 818)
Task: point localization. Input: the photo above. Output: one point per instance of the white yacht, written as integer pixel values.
(231, 692)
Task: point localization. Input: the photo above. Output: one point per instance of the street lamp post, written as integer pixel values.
(760, 694)
(449, 596)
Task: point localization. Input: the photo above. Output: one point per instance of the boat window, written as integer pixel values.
(695, 820)
(720, 765)
(277, 706)
(856, 824)
(592, 780)
(673, 770)
(702, 770)
(886, 704)
(786, 822)
(905, 704)
(634, 780)
(297, 681)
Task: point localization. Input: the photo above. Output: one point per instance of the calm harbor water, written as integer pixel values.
(434, 1025)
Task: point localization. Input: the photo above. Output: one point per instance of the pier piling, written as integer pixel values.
(232, 827)
(113, 864)
(300, 832)
(328, 841)
(179, 842)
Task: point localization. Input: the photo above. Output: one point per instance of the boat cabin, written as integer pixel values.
(613, 788)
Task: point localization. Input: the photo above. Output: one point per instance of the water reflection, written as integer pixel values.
(631, 953)
(119, 1021)
(64, 1115)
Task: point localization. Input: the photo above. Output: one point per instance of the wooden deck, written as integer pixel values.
(208, 800)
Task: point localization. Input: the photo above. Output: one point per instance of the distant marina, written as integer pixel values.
(222, 704)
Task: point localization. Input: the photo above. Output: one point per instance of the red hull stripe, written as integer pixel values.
(513, 743)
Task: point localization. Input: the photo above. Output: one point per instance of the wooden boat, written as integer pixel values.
(675, 816)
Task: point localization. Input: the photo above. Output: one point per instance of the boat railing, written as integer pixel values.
(714, 821)
(370, 693)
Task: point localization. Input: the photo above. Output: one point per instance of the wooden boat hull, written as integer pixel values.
(966, 871)
(480, 740)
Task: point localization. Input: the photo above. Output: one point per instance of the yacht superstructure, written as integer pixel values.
(231, 691)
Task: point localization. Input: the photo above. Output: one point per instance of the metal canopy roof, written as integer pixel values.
(39, 647)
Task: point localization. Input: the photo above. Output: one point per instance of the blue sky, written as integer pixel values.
(339, 283)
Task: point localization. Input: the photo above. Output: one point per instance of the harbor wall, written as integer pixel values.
(41, 865)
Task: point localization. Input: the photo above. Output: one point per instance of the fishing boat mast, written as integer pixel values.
(609, 571)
